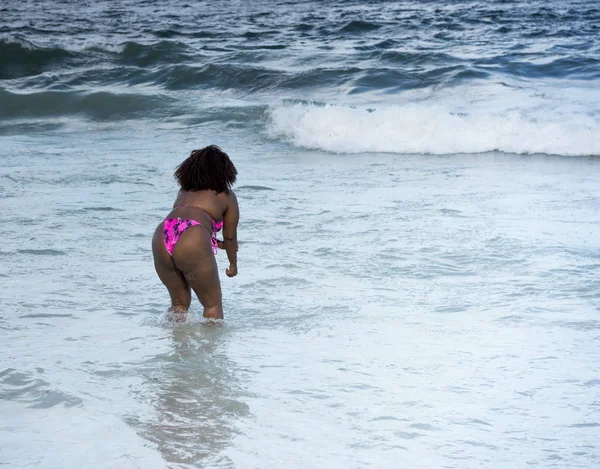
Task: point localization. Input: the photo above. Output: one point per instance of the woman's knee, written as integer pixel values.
(212, 301)
(215, 312)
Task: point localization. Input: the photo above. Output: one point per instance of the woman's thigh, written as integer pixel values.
(169, 274)
(194, 257)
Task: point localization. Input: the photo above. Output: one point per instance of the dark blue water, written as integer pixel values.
(468, 62)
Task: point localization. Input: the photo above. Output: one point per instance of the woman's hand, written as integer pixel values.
(231, 271)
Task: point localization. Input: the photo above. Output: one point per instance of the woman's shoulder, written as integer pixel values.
(226, 196)
(228, 200)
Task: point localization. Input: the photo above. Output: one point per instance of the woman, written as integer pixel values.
(184, 244)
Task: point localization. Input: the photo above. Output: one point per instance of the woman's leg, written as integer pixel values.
(173, 278)
(194, 257)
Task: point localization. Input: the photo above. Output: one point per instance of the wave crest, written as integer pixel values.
(101, 105)
(148, 55)
(23, 59)
(432, 128)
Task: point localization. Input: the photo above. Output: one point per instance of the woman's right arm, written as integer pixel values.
(230, 223)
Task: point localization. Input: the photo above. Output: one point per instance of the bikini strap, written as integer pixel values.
(192, 206)
(218, 223)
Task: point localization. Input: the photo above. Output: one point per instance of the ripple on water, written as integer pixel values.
(585, 425)
(86, 210)
(19, 386)
(408, 435)
(46, 315)
(423, 426)
(42, 252)
(590, 325)
(253, 188)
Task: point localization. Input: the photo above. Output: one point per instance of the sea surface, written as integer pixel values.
(419, 264)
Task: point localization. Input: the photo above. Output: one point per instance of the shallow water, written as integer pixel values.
(419, 242)
(446, 316)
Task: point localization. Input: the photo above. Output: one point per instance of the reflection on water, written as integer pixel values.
(195, 394)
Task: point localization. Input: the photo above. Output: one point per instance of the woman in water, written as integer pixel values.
(185, 243)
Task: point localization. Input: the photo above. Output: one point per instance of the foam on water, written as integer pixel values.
(469, 119)
(183, 320)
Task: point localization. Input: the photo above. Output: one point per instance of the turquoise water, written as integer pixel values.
(419, 249)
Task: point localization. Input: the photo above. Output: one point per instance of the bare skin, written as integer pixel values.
(193, 265)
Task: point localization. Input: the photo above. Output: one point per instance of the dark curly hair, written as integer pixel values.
(207, 169)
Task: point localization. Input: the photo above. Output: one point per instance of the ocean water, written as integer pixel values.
(419, 185)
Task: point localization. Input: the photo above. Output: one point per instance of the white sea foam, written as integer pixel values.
(563, 121)
(169, 319)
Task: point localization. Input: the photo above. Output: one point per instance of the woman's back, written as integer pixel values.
(214, 204)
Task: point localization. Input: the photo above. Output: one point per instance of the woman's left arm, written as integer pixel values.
(230, 223)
